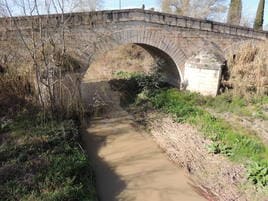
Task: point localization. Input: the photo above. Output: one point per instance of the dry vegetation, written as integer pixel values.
(19, 87)
(16, 90)
(248, 68)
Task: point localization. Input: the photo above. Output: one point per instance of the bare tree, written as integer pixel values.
(46, 49)
(43, 7)
(194, 8)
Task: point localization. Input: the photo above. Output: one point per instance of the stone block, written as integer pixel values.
(181, 22)
(207, 26)
(202, 73)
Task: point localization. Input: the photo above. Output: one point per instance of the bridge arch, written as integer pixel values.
(160, 44)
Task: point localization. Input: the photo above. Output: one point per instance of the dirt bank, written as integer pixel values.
(188, 148)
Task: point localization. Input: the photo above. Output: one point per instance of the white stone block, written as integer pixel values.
(203, 73)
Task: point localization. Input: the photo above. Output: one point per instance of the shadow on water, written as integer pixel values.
(109, 184)
(107, 178)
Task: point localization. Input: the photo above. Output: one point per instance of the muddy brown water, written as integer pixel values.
(129, 165)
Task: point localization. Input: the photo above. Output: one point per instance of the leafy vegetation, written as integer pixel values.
(42, 160)
(235, 142)
(126, 75)
(258, 173)
(217, 148)
(136, 86)
(143, 81)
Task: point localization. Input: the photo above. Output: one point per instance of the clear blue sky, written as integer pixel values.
(249, 6)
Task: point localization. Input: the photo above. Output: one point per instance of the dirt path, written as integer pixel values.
(130, 166)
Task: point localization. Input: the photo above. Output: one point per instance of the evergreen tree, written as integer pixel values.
(258, 24)
(235, 12)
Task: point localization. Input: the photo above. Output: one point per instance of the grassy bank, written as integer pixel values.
(230, 140)
(251, 106)
(42, 160)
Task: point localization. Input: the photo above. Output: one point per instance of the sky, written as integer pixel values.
(249, 6)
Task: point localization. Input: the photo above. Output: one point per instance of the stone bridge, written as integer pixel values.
(175, 39)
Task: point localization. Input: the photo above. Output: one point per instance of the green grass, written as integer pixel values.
(250, 106)
(231, 140)
(126, 75)
(42, 160)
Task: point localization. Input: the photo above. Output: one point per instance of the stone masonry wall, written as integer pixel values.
(103, 17)
(89, 35)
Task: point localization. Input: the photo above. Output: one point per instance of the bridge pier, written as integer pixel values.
(203, 73)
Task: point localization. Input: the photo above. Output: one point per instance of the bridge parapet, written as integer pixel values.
(117, 16)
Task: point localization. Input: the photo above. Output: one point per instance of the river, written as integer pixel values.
(129, 165)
